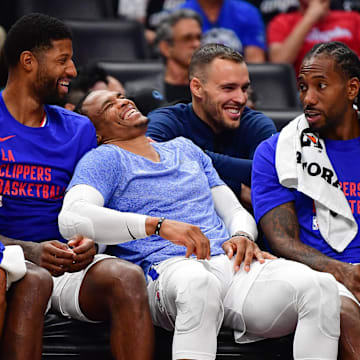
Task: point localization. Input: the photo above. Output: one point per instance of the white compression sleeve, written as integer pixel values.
(83, 213)
(234, 215)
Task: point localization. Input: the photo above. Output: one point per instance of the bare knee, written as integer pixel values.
(119, 281)
(38, 278)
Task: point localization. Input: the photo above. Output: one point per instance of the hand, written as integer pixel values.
(84, 250)
(54, 256)
(317, 9)
(245, 250)
(188, 235)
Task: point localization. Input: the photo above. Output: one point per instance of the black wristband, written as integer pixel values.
(158, 225)
(242, 234)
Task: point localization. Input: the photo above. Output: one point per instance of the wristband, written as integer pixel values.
(242, 234)
(158, 225)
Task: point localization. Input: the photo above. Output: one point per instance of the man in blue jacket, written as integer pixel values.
(218, 120)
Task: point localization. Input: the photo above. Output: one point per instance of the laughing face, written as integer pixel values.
(326, 94)
(114, 116)
(223, 94)
(54, 72)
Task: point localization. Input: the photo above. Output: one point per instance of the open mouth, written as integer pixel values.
(128, 113)
(64, 86)
(233, 111)
(312, 115)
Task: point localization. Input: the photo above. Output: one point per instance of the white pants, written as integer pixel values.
(194, 298)
(65, 296)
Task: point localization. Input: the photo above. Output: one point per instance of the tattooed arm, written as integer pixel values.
(281, 228)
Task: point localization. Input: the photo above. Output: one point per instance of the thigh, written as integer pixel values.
(181, 288)
(65, 297)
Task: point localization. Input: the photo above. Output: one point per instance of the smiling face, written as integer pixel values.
(55, 69)
(326, 94)
(221, 94)
(114, 116)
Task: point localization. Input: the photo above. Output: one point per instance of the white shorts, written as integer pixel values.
(65, 296)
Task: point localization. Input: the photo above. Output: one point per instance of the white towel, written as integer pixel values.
(13, 263)
(302, 163)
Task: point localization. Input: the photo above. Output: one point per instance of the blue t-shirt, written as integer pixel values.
(267, 193)
(231, 151)
(242, 18)
(36, 166)
(177, 187)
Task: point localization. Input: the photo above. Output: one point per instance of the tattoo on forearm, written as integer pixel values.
(281, 228)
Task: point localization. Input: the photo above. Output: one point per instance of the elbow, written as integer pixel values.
(72, 224)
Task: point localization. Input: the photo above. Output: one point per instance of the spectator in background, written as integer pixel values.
(271, 8)
(290, 36)
(177, 37)
(218, 119)
(156, 11)
(239, 21)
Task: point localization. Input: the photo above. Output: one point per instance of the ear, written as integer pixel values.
(27, 60)
(196, 87)
(99, 139)
(164, 48)
(353, 87)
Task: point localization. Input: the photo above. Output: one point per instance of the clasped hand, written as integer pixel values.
(59, 258)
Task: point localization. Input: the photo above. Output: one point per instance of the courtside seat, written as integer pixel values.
(132, 71)
(67, 9)
(282, 117)
(274, 86)
(74, 340)
(108, 40)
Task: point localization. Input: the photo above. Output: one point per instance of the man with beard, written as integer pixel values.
(218, 120)
(306, 184)
(40, 146)
(177, 37)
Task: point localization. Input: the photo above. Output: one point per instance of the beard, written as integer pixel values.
(46, 89)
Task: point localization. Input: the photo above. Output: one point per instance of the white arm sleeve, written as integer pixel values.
(234, 215)
(83, 213)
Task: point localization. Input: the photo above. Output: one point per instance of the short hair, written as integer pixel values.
(33, 32)
(346, 59)
(164, 31)
(206, 54)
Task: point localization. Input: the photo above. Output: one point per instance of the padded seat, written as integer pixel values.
(282, 117)
(108, 40)
(74, 340)
(67, 9)
(274, 86)
(132, 71)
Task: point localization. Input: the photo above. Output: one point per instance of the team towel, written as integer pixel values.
(302, 163)
(13, 262)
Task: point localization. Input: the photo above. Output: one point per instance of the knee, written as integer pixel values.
(39, 281)
(320, 298)
(199, 297)
(120, 280)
